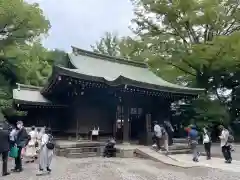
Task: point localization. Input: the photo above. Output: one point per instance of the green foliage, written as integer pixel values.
(199, 39)
(125, 47)
(209, 112)
(188, 42)
(22, 59)
(20, 22)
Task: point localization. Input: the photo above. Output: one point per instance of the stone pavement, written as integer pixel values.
(119, 169)
(217, 152)
(217, 163)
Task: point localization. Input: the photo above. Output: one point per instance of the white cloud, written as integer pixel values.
(82, 22)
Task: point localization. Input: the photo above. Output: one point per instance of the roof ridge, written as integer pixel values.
(29, 87)
(109, 58)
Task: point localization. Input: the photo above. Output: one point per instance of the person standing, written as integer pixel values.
(225, 145)
(207, 142)
(95, 134)
(45, 154)
(31, 146)
(164, 138)
(13, 135)
(157, 134)
(22, 139)
(170, 131)
(193, 141)
(4, 149)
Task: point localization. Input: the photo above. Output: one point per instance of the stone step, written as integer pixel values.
(82, 155)
(82, 149)
(179, 146)
(180, 140)
(182, 151)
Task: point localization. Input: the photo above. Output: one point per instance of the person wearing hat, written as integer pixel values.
(22, 139)
(4, 149)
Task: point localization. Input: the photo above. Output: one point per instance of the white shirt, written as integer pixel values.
(33, 139)
(206, 138)
(44, 139)
(13, 134)
(157, 131)
(224, 137)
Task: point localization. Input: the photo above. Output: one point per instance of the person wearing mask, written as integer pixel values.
(207, 142)
(193, 141)
(22, 139)
(225, 144)
(4, 149)
(45, 153)
(31, 146)
(157, 134)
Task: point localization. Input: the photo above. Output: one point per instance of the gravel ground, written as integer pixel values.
(116, 169)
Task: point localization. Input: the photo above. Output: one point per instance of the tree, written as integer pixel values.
(57, 57)
(21, 24)
(198, 38)
(125, 47)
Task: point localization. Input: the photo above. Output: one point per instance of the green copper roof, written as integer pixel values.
(31, 95)
(25, 93)
(110, 69)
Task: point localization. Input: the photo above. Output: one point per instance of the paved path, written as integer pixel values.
(216, 151)
(120, 169)
(217, 163)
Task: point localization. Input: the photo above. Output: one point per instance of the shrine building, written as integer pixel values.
(94, 90)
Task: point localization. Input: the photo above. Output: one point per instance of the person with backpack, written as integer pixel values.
(226, 140)
(193, 141)
(46, 151)
(207, 142)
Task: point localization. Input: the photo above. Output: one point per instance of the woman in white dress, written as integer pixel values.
(46, 155)
(31, 146)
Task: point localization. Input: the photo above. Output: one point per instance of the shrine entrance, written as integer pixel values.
(136, 122)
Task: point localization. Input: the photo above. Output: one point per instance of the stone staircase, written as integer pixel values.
(85, 148)
(80, 150)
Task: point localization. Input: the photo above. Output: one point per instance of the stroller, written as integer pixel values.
(110, 150)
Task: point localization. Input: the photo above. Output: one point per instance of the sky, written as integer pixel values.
(82, 22)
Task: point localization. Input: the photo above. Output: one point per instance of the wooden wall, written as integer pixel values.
(84, 114)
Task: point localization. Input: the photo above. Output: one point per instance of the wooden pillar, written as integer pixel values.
(148, 120)
(125, 123)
